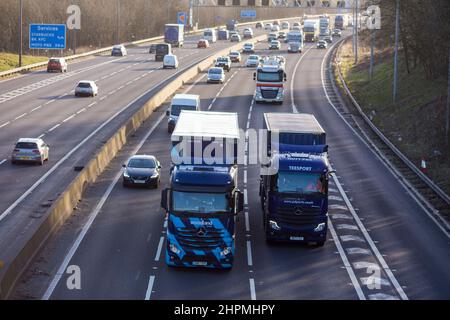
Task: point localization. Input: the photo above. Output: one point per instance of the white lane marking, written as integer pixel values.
(5, 124)
(54, 127)
(373, 281)
(369, 240)
(352, 251)
(252, 289)
(21, 116)
(112, 92)
(249, 253)
(247, 222)
(3, 161)
(69, 118)
(245, 176)
(91, 219)
(120, 88)
(51, 101)
(337, 207)
(347, 238)
(103, 98)
(37, 108)
(347, 265)
(82, 110)
(366, 265)
(294, 108)
(148, 293)
(336, 216)
(346, 227)
(245, 197)
(160, 245)
(335, 198)
(92, 104)
(381, 296)
(41, 136)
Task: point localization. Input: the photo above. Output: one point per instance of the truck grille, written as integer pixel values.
(269, 94)
(289, 215)
(190, 239)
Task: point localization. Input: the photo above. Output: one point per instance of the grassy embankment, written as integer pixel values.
(10, 61)
(416, 123)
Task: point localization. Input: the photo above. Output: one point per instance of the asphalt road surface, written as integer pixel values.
(381, 244)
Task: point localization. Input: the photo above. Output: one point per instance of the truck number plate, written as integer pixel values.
(199, 263)
(297, 238)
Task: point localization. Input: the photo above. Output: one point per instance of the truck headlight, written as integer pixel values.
(274, 225)
(226, 251)
(174, 249)
(320, 227)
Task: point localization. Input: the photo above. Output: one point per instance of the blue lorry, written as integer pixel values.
(294, 191)
(174, 34)
(203, 199)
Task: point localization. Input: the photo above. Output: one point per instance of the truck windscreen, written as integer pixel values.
(299, 182)
(200, 202)
(270, 76)
(309, 29)
(176, 109)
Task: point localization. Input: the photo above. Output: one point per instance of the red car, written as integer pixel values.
(57, 64)
(203, 43)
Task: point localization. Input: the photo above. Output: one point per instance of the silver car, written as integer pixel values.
(216, 75)
(252, 61)
(86, 88)
(30, 150)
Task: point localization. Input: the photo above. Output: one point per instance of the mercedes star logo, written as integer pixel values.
(298, 211)
(201, 231)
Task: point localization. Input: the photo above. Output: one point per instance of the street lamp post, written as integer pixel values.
(20, 32)
(397, 34)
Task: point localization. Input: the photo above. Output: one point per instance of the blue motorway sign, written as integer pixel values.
(248, 13)
(182, 18)
(48, 36)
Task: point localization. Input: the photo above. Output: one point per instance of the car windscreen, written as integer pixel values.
(142, 163)
(26, 145)
(176, 109)
(215, 71)
(270, 76)
(224, 60)
(84, 85)
(200, 202)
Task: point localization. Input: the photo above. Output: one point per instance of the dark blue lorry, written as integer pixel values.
(294, 184)
(203, 198)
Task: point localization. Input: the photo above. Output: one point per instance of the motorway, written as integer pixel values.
(43, 105)
(381, 243)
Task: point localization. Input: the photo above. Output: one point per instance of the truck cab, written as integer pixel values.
(179, 103)
(294, 193)
(270, 80)
(203, 199)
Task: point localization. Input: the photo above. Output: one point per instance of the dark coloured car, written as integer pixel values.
(142, 170)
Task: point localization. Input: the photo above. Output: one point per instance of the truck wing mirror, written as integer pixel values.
(254, 76)
(164, 198)
(331, 172)
(285, 76)
(168, 113)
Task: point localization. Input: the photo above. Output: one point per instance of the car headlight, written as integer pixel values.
(155, 175)
(274, 225)
(125, 174)
(320, 227)
(174, 249)
(226, 251)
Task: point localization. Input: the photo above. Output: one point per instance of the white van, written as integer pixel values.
(170, 61)
(210, 35)
(181, 102)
